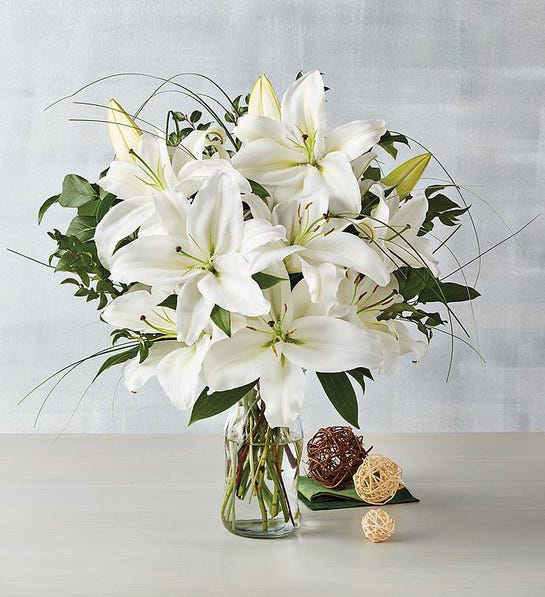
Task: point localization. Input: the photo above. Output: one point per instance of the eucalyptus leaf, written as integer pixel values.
(82, 227)
(75, 191)
(207, 405)
(405, 177)
(341, 394)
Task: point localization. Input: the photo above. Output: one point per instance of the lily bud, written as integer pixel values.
(124, 132)
(263, 100)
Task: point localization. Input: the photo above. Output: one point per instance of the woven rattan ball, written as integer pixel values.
(378, 525)
(377, 479)
(334, 455)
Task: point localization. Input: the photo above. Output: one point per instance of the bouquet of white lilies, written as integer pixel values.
(255, 248)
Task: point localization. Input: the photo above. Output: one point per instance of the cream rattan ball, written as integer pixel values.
(378, 525)
(377, 479)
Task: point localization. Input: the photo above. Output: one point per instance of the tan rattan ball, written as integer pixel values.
(378, 525)
(377, 479)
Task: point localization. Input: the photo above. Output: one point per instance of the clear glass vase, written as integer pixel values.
(261, 472)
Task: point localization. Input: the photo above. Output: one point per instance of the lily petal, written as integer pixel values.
(153, 260)
(136, 374)
(348, 250)
(282, 388)
(236, 361)
(172, 209)
(355, 138)
(192, 311)
(268, 162)
(330, 345)
(232, 287)
(303, 105)
(119, 222)
(215, 220)
(341, 184)
(179, 373)
(124, 132)
(195, 173)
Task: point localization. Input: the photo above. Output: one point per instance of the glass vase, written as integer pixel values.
(261, 472)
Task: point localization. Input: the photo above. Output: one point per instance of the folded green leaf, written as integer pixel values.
(208, 405)
(447, 292)
(170, 302)
(222, 318)
(116, 359)
(405, 177)
(341, 394)
(75, 191)
(45, 206)
(267, 280)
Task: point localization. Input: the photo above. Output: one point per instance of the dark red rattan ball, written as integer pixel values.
(334, 455)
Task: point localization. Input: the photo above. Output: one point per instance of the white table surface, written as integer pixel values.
(137, 515)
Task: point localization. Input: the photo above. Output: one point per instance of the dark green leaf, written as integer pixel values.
(82, 227)
(222, 318)
(75, 191)
(116, 359)
(208, 405)
(359, 377)
(70, 281)
(267, 280)
(258, 190)
(447, 292)
(170, 302)
(195, 116)
(411, 281)
(45, 206)
(340, 392)
(66, 262)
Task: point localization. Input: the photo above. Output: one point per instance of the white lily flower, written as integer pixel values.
(281, 150)
(393, 231)
(147, 174)
(176, 365)
(278, 348)
(315, 239)
(201, 255)
(362, 301)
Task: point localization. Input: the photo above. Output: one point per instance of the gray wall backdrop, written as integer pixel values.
(467, 78)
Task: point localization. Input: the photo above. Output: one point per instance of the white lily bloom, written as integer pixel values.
(278, 348)
(317, 239)
(124, 132)
(176, 365)
(362, 301)
(146, 173)
(393, 231)
(281, 150)
(200, 254)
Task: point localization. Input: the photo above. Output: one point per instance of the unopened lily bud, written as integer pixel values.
(124, 132)
(263, 100)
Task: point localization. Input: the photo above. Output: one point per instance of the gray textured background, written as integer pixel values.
(466, 78)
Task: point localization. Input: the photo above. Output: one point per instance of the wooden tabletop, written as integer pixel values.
(137, 515)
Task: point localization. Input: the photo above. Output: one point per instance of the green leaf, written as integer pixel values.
(66, 262)
(451, 293)
(195, 116)
(170, 302)
(411, 281)
(340, 392)
(267, 280)
(222, 318)
(208, 405)
(258, 190)
(45, 206)
(359, 377)
(82, 227)
(405, 176)
(390, 148)
(116, 359)
(75, 191)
